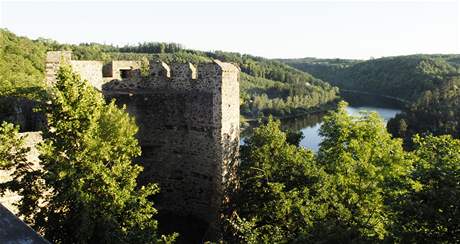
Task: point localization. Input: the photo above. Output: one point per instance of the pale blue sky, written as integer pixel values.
(271, 29)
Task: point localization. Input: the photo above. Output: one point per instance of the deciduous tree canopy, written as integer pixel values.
(85, 190)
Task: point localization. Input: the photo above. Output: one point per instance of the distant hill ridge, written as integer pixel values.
(405, 77)
(283, 87)
(268, 87)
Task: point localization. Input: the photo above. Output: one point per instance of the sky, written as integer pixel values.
(283, 29)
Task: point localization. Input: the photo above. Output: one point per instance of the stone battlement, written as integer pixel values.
(188, 118)
(119, 75)
(180, 76)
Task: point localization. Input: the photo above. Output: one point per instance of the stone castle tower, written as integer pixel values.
(188, 120)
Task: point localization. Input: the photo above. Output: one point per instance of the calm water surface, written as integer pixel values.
(311, 132)
(309, 125)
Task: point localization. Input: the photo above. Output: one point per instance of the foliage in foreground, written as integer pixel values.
(368, 169)
(12, 149)
(360, 187)
(431, 214)
(280, 189)
(86, 190)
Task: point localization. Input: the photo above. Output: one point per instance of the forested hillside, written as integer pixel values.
(404, 77)
(22, 70)
(428, 83)
(360, 187)
(21, 63)
(436, 112)
(267, 87)
(327, 69)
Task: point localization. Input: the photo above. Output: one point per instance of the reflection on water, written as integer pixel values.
(310, 125)
(312, 139)
(385, 113)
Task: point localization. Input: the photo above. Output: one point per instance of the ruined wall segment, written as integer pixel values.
(188, 118)
(230, 112)
(189, 142)
(90, 71)
(118, 69)
(31, 140)
(54, 59)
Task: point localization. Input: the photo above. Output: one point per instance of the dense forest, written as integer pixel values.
(436, 112)
(403, 77)
(267, 87)
(427, 83)
(21, 63)
(327, 69)
(364, 185)
(361, 187)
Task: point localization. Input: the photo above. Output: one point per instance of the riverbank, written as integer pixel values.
(245, 122)
(403, 101)
(310, 124)
(351, 96)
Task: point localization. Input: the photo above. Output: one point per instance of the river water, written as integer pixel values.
(310, 125)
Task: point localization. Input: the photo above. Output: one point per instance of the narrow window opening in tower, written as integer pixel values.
(124, 73)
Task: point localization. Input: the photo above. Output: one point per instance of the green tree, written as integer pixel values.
(360, 187)
(13, 158)
(280, 189)
(368, 169)
(344, 194)
(12, 150)
(87, 186)
(431, 213)
(21, 63)
(436, 112)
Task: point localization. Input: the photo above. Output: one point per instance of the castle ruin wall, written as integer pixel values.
(188, 118)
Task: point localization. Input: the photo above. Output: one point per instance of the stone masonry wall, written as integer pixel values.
(188, 120)
(31, 140)
(189, 132)
(54, 59)
(117, 65)
(90, 71)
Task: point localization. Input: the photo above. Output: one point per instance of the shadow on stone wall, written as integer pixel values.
(231, 142)
(21, 111)
(190, 228)
(193, 229)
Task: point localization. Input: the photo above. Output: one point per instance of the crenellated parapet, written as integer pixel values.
(123, 75)
(160, 70)
(180, 76)
(188, 118)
